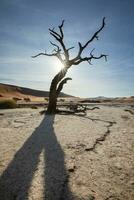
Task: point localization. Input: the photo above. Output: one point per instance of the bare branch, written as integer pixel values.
(70, 48)
(95, 34)
(92, 52)
(55, 45)
(57, 54)
(54, 33)
(60, 87)
(58, 50)
(60, 27)
(59, 37)
(78, 58)
(94, 57)
(106, 57)
(44, 54)
(98, 57)
(88, 59)
(89, 62)
(62, 23)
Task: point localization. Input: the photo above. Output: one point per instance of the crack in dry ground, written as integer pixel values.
(130, 111)
(102, 138)
(95, 144)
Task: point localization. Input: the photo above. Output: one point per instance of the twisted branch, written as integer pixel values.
(78, 59)
(44, 54)
(61, 48)
(60, 87)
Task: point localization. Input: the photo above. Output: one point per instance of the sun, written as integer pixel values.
(58, 65)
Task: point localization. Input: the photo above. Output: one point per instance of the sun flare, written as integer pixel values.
(58, 65)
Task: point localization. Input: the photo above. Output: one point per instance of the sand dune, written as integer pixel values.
(11, 91)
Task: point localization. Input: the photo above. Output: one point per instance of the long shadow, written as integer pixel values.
(16, 180)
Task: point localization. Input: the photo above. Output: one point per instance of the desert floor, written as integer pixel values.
(65, 157)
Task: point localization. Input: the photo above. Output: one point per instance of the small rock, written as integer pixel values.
(118, 166)
(71, 167)
(124, 131)
(131, 182)
(88, 148)
(34, 107)
(72, 157)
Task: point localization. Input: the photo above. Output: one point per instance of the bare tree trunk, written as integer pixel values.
(52, 103)
(54, 91)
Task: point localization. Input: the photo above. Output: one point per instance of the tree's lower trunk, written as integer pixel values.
(52, 103)
(55, 89)
(53, 94)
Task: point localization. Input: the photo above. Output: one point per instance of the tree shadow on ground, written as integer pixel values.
(16, 180)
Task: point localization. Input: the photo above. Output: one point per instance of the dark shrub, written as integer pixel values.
(46, 99)
(6, 104)
(27, 99)
(16, 99)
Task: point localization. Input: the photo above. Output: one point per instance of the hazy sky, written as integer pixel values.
(24, 32)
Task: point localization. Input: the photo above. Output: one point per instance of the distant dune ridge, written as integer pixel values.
(102, 99)
(10, 91)
(20, 93)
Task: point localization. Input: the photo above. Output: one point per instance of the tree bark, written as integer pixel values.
(52, 103)
(53, 94)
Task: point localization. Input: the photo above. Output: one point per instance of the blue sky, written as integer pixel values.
(24, 32)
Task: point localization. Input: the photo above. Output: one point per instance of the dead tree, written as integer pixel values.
(63, 54)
